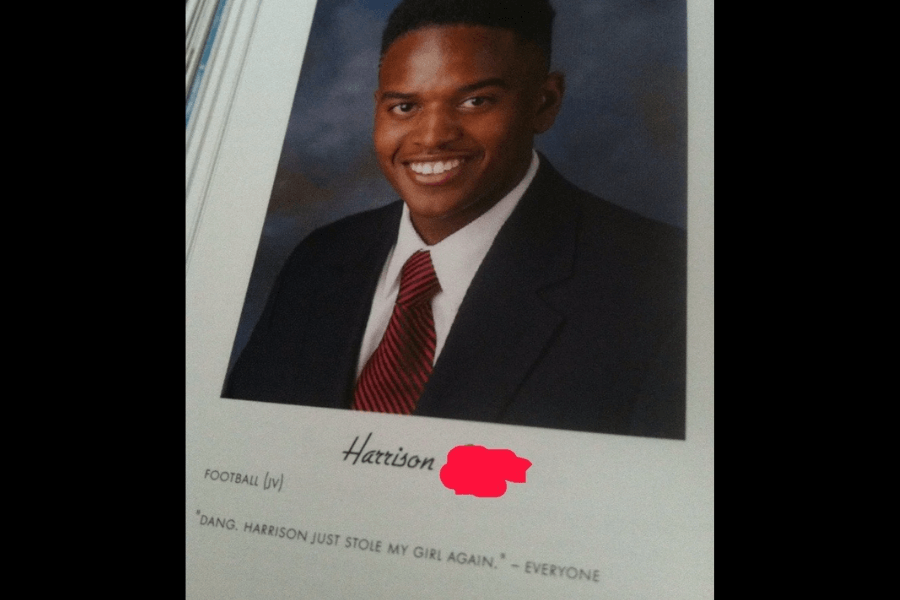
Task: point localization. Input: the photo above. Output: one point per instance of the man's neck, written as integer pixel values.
(433, 230)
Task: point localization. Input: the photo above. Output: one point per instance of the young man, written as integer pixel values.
(496, 290)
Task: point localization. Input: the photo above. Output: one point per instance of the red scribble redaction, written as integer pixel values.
(482, 472)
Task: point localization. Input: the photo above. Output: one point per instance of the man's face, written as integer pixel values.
(455, 114)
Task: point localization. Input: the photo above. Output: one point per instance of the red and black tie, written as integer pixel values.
(393, 379)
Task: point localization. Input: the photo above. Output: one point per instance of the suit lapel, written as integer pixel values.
(503, 324)
(350, 281)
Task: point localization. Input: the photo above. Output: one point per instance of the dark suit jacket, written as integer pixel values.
(575, 320)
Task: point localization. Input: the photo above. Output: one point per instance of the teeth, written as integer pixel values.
(436, 168)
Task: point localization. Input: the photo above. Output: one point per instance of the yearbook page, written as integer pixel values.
(556, 440)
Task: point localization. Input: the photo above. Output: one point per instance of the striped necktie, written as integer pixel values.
(393, 379)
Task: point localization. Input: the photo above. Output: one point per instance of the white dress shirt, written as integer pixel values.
(456, 258)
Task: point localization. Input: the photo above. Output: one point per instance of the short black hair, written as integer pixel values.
(532, 20)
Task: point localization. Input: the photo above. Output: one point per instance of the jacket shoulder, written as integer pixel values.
(349, 236)
(610, 226)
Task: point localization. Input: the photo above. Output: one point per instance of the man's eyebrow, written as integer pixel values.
(396, 96)
(493, 81)
(471, 87)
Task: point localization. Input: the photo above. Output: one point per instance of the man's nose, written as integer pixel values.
(437, 127)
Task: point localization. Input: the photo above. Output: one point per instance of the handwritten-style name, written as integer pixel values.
(380, 457)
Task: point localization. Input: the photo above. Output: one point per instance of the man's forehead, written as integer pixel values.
(431, 51)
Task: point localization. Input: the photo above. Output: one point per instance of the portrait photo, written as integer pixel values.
(479, 213)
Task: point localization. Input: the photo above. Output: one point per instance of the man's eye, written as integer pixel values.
(403, 108)
(475, 102)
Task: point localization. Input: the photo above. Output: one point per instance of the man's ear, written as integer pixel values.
(552, 91)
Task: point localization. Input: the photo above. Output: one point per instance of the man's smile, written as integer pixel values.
(427, 168)
(435, 172)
